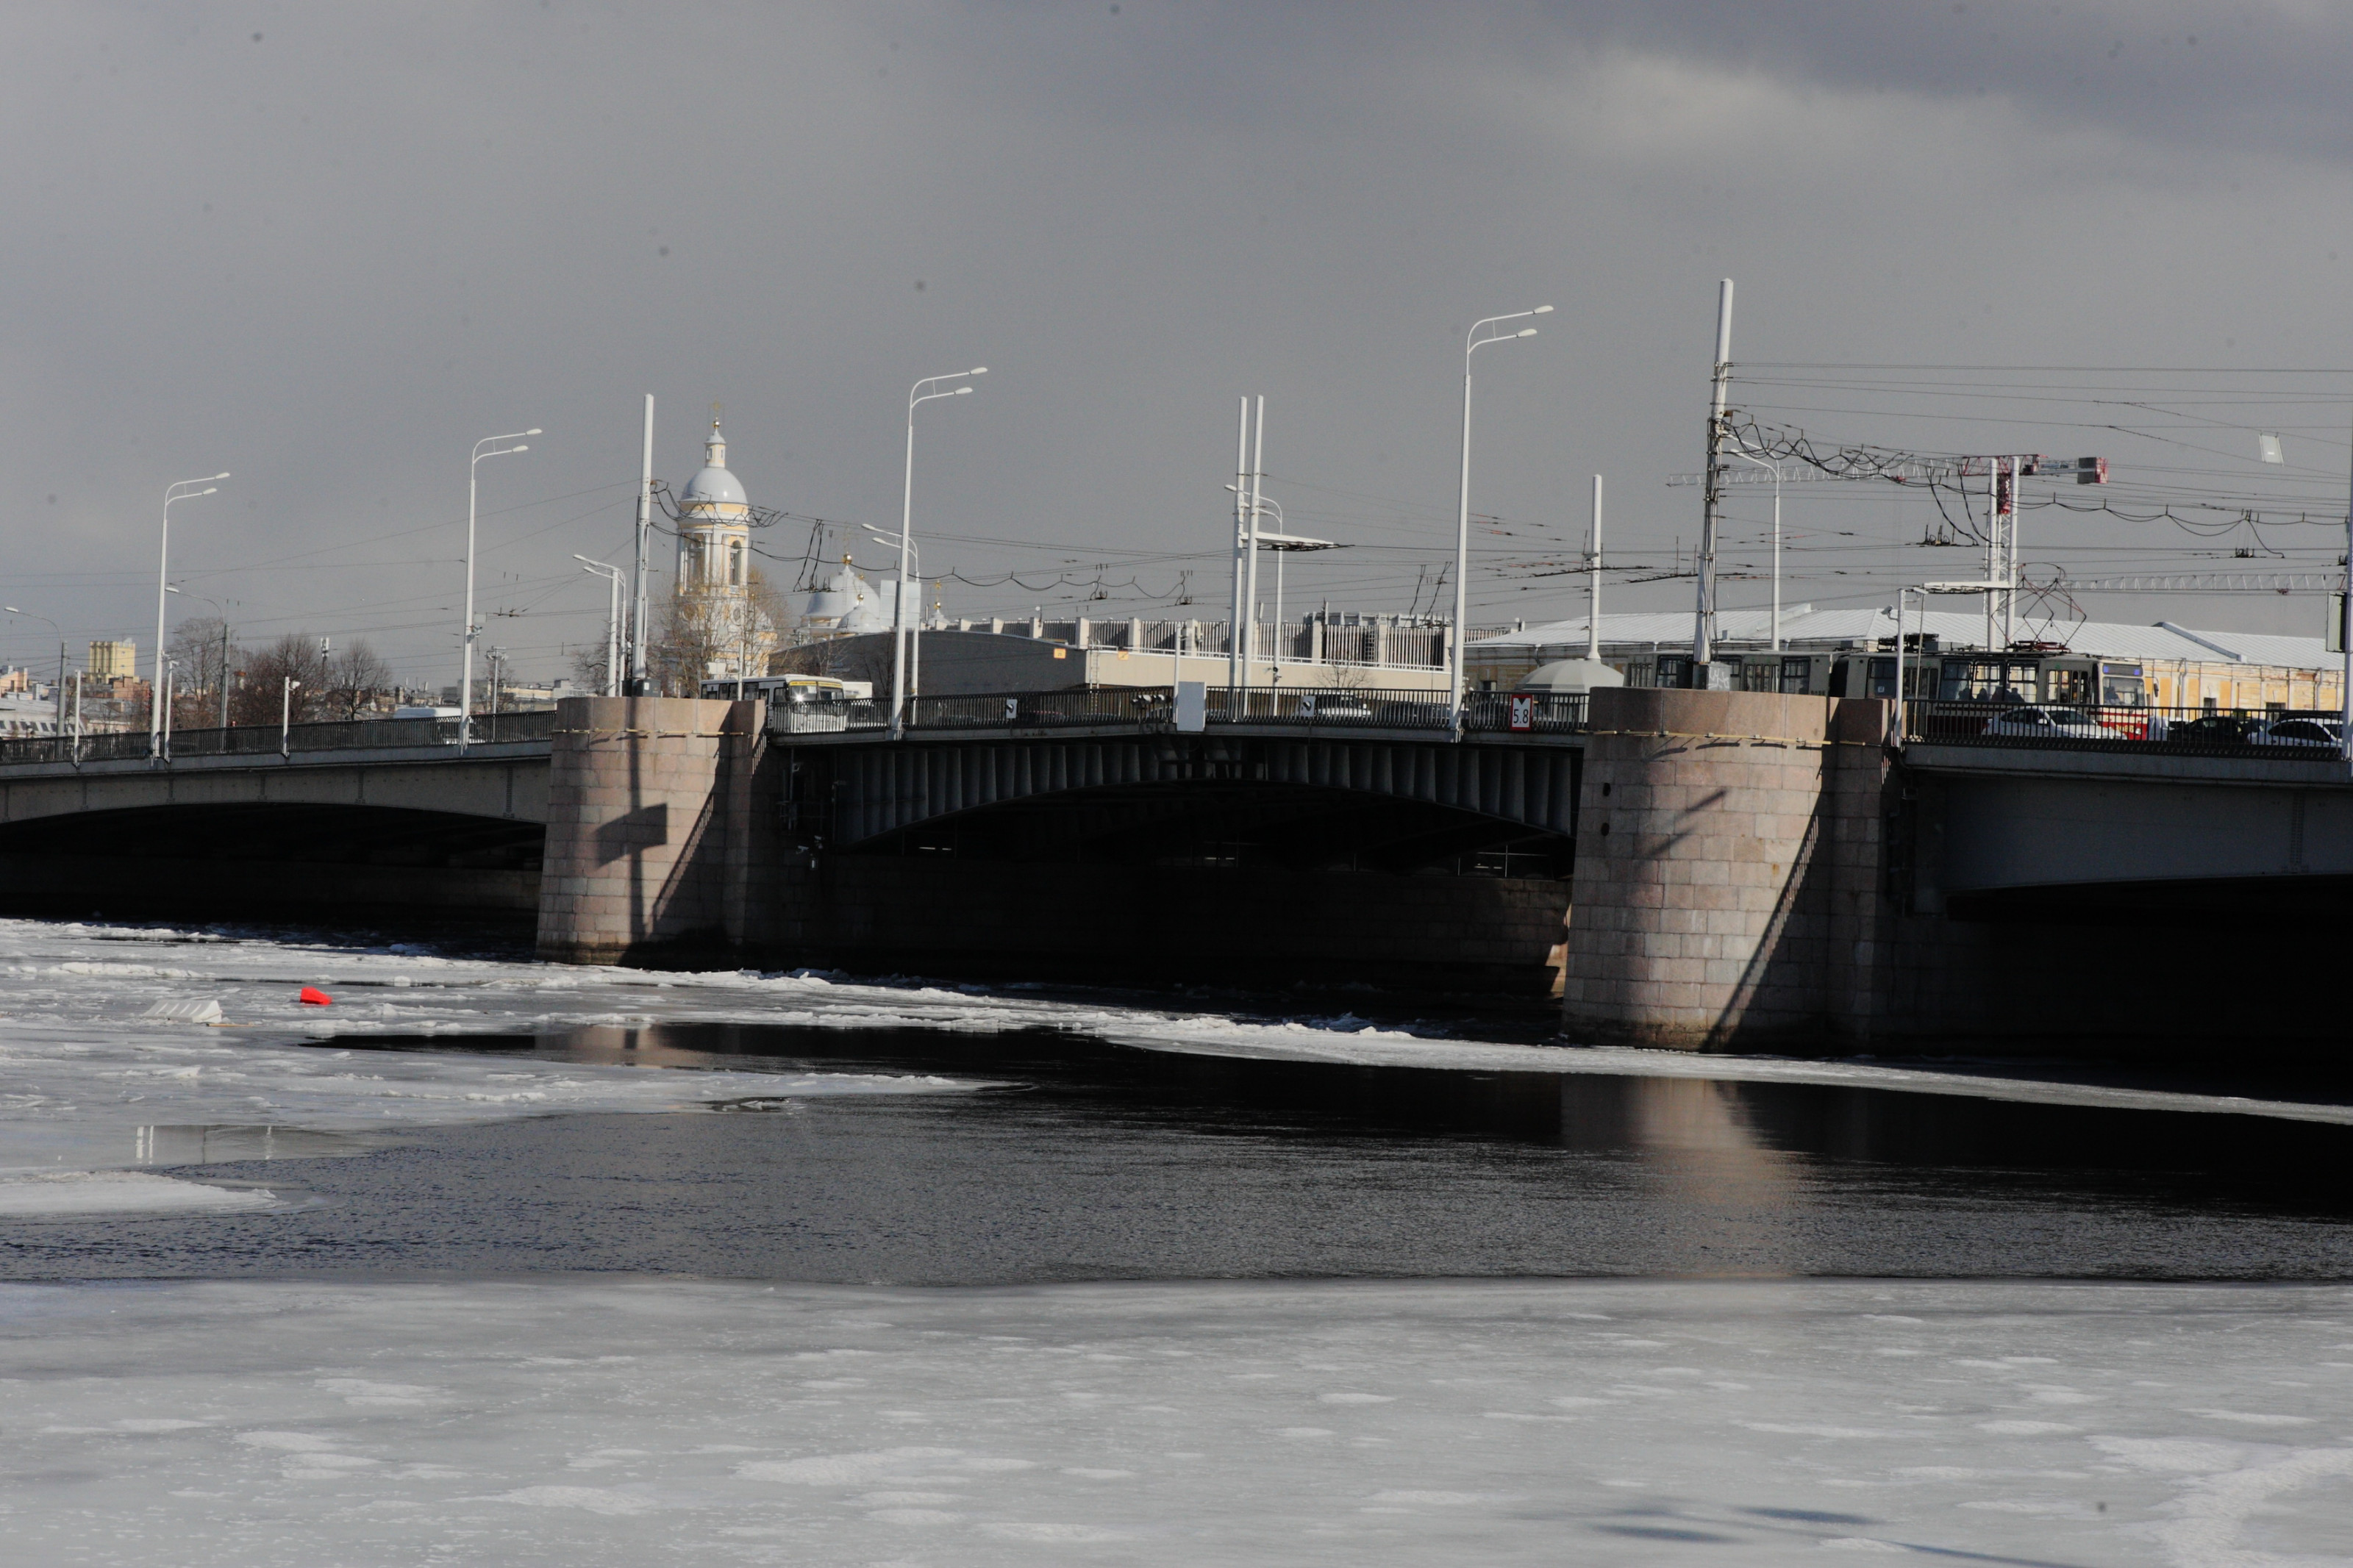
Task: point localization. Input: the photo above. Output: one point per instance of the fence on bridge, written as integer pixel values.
(2280, 736)
(269, 740)
(1153, 709)
(1145, 708)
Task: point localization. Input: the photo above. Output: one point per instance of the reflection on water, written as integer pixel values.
(1096, 1161)
(224, 1143)
(1714, 1140)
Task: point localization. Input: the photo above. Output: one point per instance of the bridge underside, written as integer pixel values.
(2301, 903)
(1215, 824)
(1282, 863)
(281, 858)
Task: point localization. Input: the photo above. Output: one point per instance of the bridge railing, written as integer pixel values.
(2280, 736)
(1153, 708)
(266, 740)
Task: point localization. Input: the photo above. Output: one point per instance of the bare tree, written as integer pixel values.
(699, 628)
(206, 658)
(261, 684)
(353, 678)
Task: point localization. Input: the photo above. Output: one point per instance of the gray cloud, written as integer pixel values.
(329, 259)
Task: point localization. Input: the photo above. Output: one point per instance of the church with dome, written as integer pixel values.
(716, 619)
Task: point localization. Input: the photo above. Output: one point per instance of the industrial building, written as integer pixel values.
(1855, 653)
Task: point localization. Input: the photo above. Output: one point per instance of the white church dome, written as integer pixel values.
(712, 485)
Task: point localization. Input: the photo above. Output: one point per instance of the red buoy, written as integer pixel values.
(313, 997)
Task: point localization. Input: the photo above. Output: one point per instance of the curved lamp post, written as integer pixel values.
(900, 633)
(1472, 343)
(466, 674)
(179, 490)
(612, 574)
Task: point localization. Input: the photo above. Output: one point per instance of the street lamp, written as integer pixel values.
(915, 647)
(1775, 469)
(53, 625)
(466, 677)
(1903, 694)
(612, 574)
(286, 718)
(1472, 343)
(1279, 544)
(178, 490)
(900, 633)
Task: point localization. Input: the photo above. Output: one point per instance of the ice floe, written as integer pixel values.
(233, 1423)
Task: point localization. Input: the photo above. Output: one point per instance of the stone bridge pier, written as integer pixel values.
(1730, 870)
(661, 831)
(1759, 872)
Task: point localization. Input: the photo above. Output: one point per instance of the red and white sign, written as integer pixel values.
(1522, 714)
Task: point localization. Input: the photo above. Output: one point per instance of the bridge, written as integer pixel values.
(387, 813)
(1750, 869)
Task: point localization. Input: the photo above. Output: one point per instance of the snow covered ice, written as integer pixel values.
(673, 1421)
(628, 1420)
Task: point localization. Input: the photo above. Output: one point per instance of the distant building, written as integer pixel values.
(715, 611)
(847, 605)
(111, 660)
(24, 716)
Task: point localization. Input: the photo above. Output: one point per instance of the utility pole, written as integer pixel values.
(1703, 620)
(223, 673)
(1593, 592)
(636, 682)
(2345, 729)
(1234, 674)
(1250, 588)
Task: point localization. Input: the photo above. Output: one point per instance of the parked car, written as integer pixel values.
(1324, 708)
(1404, 714)
(2299, 731)
(2042, 721)
(2206, 729)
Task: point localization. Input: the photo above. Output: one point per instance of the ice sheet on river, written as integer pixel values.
(596, 1423)
(89, 1071)
(80, 1049)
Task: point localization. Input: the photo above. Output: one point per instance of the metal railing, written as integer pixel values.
(1153, 708)
(2279, 735)
(269, 739)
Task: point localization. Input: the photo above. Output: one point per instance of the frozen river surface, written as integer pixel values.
(495, 1262)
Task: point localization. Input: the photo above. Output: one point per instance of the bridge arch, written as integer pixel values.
(1363, 803)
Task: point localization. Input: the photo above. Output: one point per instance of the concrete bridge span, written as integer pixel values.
(2008, 834)
(416, 827)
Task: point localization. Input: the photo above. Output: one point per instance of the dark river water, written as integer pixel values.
(1090, 1161)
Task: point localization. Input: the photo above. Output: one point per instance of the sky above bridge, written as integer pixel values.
(326, 248)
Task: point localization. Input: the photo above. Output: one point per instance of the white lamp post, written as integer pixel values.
(1472, 343)
(914, 647)
(466, 674)
(900, 631)
(286, 718)
(177, 491)
(612, 574)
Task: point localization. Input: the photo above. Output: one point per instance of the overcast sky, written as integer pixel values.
(327, 247)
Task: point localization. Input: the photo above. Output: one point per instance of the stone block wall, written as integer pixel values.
(1727, 870)
(650, 835)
